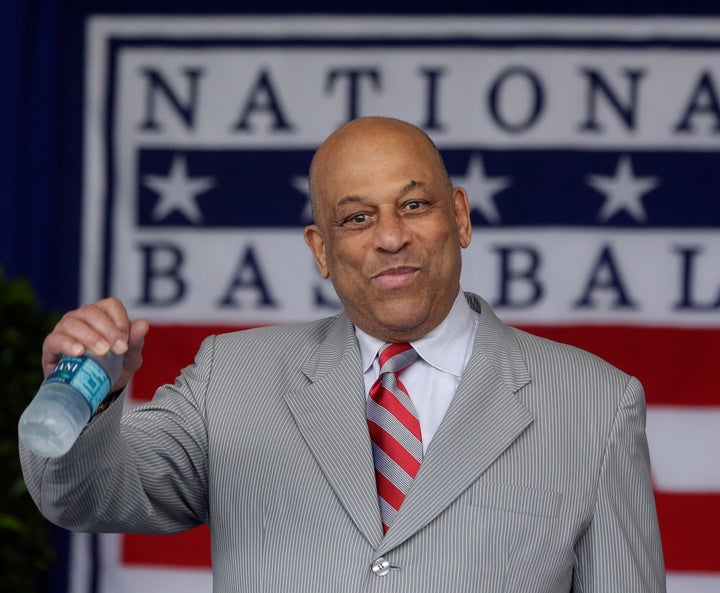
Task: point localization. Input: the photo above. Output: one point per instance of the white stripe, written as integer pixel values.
(645, 258)
(692, 583)
(684, 448)
(80, 563)
(506, 26)
(387, 512)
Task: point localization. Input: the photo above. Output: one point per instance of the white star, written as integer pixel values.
(177, 191)
(623, 191)
(301, 184)
(481, 189)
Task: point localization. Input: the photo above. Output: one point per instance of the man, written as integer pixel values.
(528, 472)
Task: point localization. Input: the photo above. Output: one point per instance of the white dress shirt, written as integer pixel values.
(432, 380)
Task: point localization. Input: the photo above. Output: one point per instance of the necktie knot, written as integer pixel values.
(396, 357)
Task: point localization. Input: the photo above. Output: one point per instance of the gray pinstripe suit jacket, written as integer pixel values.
(537, 481)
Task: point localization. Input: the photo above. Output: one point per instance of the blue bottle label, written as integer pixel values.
(85, 375)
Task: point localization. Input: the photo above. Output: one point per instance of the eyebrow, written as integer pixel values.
(407, 188)
(411, 186)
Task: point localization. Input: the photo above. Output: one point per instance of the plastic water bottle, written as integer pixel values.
(65, 402)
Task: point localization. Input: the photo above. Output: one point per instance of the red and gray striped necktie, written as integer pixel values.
(394, 431)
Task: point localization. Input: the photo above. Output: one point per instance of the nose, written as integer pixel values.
(391, 231)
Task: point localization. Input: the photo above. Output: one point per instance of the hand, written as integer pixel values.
(99, 328)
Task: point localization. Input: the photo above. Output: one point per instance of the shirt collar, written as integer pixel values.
(446, 347)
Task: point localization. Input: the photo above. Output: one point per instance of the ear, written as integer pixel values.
(462, 216)
(316, 242)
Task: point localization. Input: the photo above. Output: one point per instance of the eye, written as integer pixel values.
(357, 219)
(414, 205)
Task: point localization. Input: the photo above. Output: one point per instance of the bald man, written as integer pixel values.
(413, 443)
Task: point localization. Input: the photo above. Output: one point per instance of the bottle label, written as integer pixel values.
(85, 375)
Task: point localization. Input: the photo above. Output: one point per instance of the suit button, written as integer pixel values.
(380, 567)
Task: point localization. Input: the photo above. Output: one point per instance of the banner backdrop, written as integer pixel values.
(589, 149)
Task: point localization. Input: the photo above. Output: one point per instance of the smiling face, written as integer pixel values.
(389, 227)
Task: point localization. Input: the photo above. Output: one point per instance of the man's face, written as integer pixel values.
(389, 229)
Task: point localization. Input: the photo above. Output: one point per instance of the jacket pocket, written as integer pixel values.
(516, 499)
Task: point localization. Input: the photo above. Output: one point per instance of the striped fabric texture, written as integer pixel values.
(537, 480)
(394, 431)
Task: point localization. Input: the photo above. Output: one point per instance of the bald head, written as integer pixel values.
(364, 134)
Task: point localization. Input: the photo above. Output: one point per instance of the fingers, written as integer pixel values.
(138, 330)
(116, 334)
(99, 328)
(132, 360)
(133, 356)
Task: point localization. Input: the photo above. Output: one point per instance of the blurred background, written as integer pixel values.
(158, 152)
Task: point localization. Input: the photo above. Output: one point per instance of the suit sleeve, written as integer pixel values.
(621, 550)
(144, 471)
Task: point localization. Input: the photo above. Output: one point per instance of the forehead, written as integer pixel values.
(370, 160)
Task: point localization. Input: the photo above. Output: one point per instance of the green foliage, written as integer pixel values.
(25, 551)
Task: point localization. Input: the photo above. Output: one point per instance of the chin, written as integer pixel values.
(392, 319)
(403, 325)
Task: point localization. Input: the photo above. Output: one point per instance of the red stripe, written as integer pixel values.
(392, 404)
(392, 350)
(690, 528)
(675, 365)
(389, 492)
(385, 441)
(190, 549)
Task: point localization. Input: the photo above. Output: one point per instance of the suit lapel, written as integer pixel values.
(330, 414)
(484, 419)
